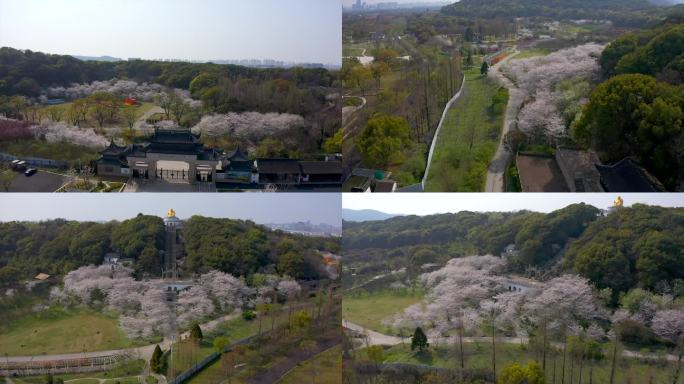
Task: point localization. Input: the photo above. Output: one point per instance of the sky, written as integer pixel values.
(291, 30)
(262, 208)
(348, 3)
(432, 203)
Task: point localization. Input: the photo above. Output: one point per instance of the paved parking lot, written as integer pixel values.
(42, 181)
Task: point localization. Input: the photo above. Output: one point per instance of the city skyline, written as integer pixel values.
(299, 31)
(262, 208)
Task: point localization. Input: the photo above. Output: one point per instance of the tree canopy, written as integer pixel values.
(238, 247)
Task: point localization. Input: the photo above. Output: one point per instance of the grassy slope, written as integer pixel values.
(124, 370)
(532, 52)
(63, 334)
(479, 356)
(54, 151)
(141, 109)
(370, 311)
(328, 368)
(468, 138)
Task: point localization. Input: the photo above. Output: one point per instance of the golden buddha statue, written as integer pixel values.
(171, 213)
(618, 202)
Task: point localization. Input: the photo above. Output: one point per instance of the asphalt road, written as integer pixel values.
(376, 338)
(502, 157)
(42, 181)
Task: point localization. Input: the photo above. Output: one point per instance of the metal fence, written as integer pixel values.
(74, 365)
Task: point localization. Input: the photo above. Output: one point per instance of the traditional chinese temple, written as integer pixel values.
(178, 156)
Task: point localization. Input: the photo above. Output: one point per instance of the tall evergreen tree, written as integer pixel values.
(419, 340)
(156, 360)
(196, 332)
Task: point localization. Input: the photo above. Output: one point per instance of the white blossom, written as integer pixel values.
(247, 125)
(57, 132)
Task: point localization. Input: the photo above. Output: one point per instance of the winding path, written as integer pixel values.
(142, 119)
(349, 116)
(377, 338)
(502, 157)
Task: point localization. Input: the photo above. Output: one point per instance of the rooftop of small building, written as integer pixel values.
(277, 165)
(627, 175)
(321, 167)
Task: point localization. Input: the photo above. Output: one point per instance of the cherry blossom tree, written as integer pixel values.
(289, 288)
(123, 88)
(669, 324)
(247, 125)
(542, 116)
(57, 132)
(11, 129)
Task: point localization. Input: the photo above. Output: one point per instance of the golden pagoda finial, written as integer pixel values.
(171, 213)
(618, 202)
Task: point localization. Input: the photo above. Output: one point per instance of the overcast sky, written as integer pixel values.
(431, 203)
(259, 207)
(291, 30)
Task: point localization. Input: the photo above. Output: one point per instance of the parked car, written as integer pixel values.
(30, 172)
(18, 165)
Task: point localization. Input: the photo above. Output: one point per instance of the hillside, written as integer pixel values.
(621, 12)
(26, 72)
(635, 246)
(365, 215)
(233, 246)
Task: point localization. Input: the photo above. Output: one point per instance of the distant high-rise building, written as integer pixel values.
(358, 5)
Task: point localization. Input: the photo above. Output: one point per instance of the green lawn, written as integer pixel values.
(125, 370)
(85, 381)
(122, 380)
(327, 367)
(478, 356)
(370, 310)
(55, 151)
(532, 52)
(62, 333)
(468, 139)
(354, 50)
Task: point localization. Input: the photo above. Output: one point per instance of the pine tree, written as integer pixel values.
(419, 340)
(196, 332)
(155, 361)
(485, 68)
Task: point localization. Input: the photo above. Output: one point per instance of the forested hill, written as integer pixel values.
(621, 12)
(635, 246)
(234, 246)
(26, 72)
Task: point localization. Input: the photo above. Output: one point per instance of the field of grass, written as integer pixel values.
(532, 52)
(370, 310)
(238, 329)
(328, 369)
(122, 380)
(85, 381)
(141, 109)
(124, 369)
(55, 151)
(468, 139)
(62, 333)
(354, 50)
(478, 357)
